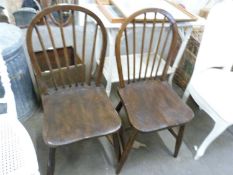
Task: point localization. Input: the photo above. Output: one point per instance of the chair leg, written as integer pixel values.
(116, 145)
(119, 106)
(179, 140)
(126, 151)
(51, 161)
(121, 134)
(218, 129)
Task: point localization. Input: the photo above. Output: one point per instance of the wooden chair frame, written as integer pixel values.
(75, 91)
(159, 78)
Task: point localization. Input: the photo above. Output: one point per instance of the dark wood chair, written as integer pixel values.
(74, 101)
(149, 101)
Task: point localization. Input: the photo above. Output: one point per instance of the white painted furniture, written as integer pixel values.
(210, 87)
(110, 69)
(17, 153)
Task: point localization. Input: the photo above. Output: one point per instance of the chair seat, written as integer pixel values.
(153, 105)
(213, 88)
(76, 114)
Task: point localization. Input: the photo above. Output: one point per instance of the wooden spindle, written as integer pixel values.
(127, 54)
(74, 42)
(92, 55)
(65, 49)
(46, 57)
(74, 37)
(157, 48)
(84, 38)
(55, 52)
(142, 47)
(134, 50)
(150, 45)
(162, 53)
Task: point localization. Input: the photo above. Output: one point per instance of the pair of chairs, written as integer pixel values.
(75, 104)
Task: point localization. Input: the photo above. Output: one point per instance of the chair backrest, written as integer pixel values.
(63, 53)
(216, 45)
(149, 37)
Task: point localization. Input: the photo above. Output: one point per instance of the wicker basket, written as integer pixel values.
(186, 65)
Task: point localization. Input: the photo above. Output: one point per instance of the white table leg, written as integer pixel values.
(185, 34)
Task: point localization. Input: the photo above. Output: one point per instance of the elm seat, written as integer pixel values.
(168, 109)
(78, 114)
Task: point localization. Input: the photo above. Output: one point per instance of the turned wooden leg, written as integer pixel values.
(179, 140)
(121, 134)
(116, 145)
(126, 151)
(51, 161)
(118, 108)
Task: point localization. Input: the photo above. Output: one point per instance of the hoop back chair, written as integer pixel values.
(150, 102)
(212, 80)
(74, 101)
(17, 153)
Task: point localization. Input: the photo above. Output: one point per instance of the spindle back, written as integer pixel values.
(63, 53)
(145, 45)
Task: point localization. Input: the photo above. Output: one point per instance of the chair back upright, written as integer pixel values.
(216, 45)
(149, 37)
(62, 44)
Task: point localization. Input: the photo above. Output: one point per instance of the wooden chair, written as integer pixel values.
(75, 104)
(150, 102)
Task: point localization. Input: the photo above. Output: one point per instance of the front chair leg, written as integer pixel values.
(121, 132)
(116, 145)
(51, 161)
(179, 140)
(126, 150)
